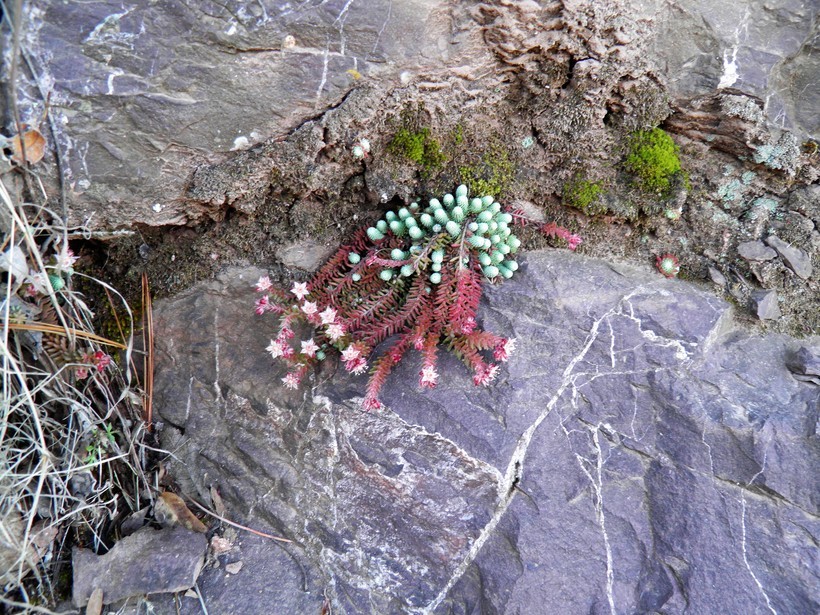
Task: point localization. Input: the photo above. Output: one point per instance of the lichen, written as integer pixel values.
(653, 158)
(743, 107)
(784, 155)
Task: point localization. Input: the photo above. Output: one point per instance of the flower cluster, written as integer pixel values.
(415, 277)
(97, 360)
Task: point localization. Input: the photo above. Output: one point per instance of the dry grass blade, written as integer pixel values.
(72, 459)
(47, 328)
(148, 340)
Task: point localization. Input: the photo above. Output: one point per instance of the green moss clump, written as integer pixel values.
(420, 147)
(491, 175)
(653, 159)
(585, 195)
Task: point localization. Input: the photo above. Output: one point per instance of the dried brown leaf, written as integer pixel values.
(219, 505)
(169, 509)
(35, 146)
(95, 603)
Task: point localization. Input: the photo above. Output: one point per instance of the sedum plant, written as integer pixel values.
(414, 278)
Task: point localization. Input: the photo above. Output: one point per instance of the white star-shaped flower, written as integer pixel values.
(309, 308)
(328, 316)
(300, 289)
(309, 347)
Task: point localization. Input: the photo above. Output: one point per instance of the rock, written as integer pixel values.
(806, 200)
(796, 259)
(639, 452)
(305, 254)
(755, 251)
(717, 277)
(764, 50)
(148, 94)
(764, 305)
(805, 364)
(274, 579)
(146, 562)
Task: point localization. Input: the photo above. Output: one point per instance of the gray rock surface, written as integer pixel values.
(766, 49)
(764, 304)
(639, 453)
(146, 562)
(269, 580)
(756, 251)
(796, 259)
(144, 94)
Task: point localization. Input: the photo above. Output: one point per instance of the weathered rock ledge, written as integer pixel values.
(639, 453)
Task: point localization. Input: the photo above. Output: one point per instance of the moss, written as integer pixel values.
(653, 159)
(492, 174)
(458, 135)
(420, 147)
(585, 195)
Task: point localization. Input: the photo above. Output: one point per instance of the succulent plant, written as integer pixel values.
(668, 265)
(414, 277)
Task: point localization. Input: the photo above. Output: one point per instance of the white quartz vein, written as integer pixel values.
(324, 75)
(743, 535)
(515, 466)
(591, 467)
(217, 389)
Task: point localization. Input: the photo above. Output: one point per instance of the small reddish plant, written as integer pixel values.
(415, 278)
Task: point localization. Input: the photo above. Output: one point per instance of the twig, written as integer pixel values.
(236, 525)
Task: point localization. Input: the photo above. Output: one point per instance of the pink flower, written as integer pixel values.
(328, 316)
(262, 305)
(468, 326)
(503, 350)
(429, 377)
(335, 331)
(371, 403)
(418, 342)
(356, 366)
(82, 373)
(285, 333)
(66, 259)
(485, 374)
(263, 284)
(309, 347)
(276, 349)
(100, 359)
(309, 308)
(287, 351)
(291, 380)
(300, 289)
(351, 353)
(574, 241)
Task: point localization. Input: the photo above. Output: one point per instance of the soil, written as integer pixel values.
(509, 153)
